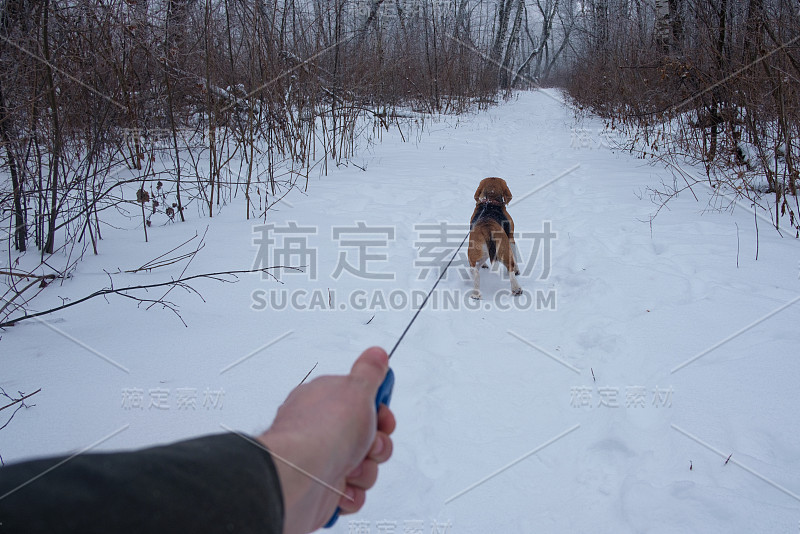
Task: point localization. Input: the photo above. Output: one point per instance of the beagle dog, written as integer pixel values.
(491, 234)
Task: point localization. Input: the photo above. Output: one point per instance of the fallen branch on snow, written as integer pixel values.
(123, 291)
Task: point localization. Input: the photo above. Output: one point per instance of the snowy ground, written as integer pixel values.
(607, 398)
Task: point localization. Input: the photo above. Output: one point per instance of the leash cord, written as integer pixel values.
(428, 295)
(434, 287)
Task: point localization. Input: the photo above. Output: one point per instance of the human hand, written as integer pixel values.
(326, 436)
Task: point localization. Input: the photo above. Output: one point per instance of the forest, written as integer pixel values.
(147, 106)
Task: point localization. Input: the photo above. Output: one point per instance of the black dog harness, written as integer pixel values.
(495, 212)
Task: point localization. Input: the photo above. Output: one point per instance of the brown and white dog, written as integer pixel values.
(491, 234)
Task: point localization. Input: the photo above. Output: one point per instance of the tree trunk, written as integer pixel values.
(55, 159)
(716, 101)
(663, 26)
(503, 16)
(676, 20)
(505, 69)
(20, 228)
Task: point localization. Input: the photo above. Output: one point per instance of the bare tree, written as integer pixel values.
(709, 80)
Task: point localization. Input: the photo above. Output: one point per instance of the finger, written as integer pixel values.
(371, 367)
(356, 497)
(364, 476)
(386, 420)
(381, 449)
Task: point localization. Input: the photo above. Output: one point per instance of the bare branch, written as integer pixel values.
(221, 276)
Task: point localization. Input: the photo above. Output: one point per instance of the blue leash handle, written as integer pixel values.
(383, 397)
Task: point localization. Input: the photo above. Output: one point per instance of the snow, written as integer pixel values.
(657, 351)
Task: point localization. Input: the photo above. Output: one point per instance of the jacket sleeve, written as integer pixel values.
(216, 484)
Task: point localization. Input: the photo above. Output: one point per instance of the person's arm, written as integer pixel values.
(219, 483)
(326, 443)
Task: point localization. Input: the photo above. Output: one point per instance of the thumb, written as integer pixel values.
(371, 367)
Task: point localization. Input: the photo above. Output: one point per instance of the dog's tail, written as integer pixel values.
(492, 246)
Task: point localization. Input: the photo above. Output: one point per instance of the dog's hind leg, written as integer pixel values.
(515, 255)
(477, 259)
(515, 288)
(505, 253)
(476, 281)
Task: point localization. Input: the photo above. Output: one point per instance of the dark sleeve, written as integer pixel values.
(216, 484)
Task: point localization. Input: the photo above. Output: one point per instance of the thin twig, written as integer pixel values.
(198, 249)
(21, 399)
(28, 275)
(152, 264)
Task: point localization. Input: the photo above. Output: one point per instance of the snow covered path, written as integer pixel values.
(607, 399)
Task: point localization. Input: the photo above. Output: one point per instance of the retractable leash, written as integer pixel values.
(385, 391)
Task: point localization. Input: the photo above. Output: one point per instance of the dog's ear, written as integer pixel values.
(506, 194)
(478, 192)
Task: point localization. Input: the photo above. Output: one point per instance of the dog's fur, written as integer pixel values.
(491, 233)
